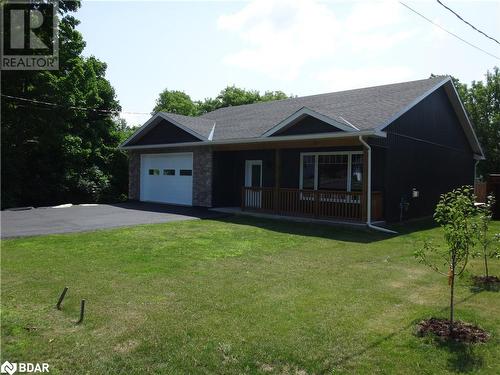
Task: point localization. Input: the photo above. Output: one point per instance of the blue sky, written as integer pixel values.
(301, 47)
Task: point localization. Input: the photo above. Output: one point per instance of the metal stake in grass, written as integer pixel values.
(61, 297)
(82, 311)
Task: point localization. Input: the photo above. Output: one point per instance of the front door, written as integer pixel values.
(253, 179)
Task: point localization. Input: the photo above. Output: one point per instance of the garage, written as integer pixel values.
(167, 178)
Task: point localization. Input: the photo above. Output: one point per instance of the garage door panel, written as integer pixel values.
(161, 180)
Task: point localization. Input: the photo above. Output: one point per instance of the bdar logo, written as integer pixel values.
(8, 367)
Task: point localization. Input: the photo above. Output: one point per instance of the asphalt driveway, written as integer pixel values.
(80, 218)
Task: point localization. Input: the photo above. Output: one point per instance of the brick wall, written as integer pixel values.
(202, 172)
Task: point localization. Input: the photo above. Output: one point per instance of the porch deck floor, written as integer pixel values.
(239, 211)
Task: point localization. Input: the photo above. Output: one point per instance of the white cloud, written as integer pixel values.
(373, 15)
(337, 79)
(280, 37)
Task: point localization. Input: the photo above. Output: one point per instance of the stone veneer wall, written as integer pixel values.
(202, 172)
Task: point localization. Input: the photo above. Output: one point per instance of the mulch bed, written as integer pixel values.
(462, 332)
(486, 279)
(487, 282)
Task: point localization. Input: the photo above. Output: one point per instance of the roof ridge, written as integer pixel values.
(441, 77)
(186, 116)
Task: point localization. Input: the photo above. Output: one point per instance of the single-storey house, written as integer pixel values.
(378, 153)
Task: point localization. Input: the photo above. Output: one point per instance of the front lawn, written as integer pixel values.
(236, 296)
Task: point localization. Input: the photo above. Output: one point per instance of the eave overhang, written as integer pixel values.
(337, 135)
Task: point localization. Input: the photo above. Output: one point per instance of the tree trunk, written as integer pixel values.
(485, 262)
(452, 295)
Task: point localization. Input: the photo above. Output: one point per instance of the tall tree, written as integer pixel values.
(59, 153)
(174, 101)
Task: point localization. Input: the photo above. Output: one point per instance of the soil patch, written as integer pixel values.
(487, 282)
(461, 332)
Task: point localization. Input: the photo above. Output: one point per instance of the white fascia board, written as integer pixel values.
(412, 104)
(305, 111)
(264, 140)
(151, 122)
(140, 130)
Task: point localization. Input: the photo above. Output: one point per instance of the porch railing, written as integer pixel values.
(309, 203)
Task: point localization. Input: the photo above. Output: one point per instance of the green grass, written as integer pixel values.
(236, 296)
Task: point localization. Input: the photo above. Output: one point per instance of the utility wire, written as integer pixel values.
(468, 23)
(72, 107)
(449, 32)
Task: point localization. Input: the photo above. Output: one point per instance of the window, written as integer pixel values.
(308, 168)
(341, 171)
(185, 172)
(356, 172)
(169, 172)
(332, 172)
(154, 172)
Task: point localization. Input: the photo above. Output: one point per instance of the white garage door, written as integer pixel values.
(167, 178)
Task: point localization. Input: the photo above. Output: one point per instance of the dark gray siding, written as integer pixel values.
(307, 125)
(229, 174)
(165, 132)
(426, 149)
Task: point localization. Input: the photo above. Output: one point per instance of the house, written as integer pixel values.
(376, 153)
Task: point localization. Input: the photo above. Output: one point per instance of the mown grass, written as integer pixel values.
(236, 296)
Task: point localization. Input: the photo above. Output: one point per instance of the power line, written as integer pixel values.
(73, 107)
(468, 23)
(449, 32)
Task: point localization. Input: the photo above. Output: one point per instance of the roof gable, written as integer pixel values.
(186, 127)
(163, 132)
(307, 121)
(458, 108)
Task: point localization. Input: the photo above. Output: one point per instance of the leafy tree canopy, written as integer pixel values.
(181, 103)
(55, 154)
(175, 102)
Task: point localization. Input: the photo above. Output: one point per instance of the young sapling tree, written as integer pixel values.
(485, 239)
(455, 214)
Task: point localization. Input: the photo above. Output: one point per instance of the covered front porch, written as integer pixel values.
(321, 179)
(321, 204)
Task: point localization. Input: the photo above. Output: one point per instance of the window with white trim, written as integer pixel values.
(340, 171)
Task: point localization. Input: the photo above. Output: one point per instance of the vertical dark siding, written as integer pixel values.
(164, 132)
(229, 174)
(378, 168)
(308, 125)
(426, 149)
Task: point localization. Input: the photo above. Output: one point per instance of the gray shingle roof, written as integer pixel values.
(200, 125)
(365, 108)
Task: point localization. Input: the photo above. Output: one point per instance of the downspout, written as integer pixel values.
(369, 192)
